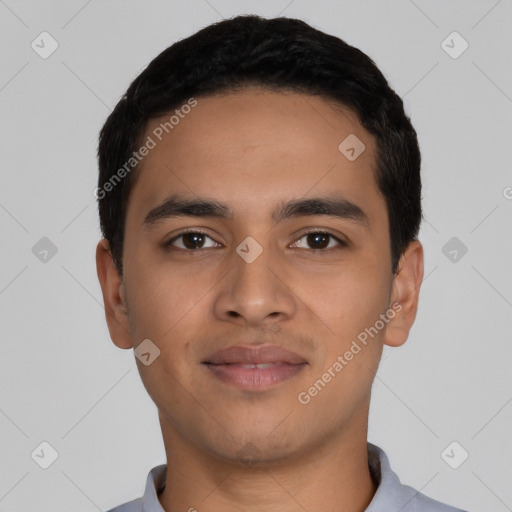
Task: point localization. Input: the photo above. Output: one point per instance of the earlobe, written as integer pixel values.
(112, 288)
(405, 292)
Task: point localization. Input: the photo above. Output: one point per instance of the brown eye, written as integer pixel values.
(191, 240)
(319, 240)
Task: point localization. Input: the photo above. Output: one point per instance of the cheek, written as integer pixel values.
(160, 298)
(347, 300)
(170, 296)
(351, 307)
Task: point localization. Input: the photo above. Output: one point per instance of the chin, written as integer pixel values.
(253, 456)
(256, 449)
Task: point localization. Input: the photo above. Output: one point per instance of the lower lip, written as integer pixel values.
(255, 378)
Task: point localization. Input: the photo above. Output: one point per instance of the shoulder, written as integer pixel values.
(155, 482)
(392, 494)
(421, 503)
(130, 506)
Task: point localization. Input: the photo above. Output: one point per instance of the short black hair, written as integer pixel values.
(280, 54)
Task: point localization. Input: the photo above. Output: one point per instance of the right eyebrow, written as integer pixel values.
(178, 206)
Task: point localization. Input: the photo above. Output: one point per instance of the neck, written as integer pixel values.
(332, 477)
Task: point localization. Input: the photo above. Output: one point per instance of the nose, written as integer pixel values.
(256, 292)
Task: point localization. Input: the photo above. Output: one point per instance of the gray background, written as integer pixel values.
(64, 382)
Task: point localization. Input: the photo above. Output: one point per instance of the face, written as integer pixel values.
(257, 300)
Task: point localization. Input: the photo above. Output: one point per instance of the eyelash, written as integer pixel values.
(341, 243)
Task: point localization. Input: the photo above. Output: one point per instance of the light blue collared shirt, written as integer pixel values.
(391, 495)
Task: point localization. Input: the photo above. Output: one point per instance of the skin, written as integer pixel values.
(231, 449)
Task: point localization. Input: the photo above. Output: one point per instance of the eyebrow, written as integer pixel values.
(179, 206)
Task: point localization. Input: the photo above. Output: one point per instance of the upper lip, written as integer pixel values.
(255, 355)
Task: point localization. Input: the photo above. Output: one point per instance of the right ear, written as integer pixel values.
(112, 288)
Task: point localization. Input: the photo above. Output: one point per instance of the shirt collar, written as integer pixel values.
(390, 494)
(154, 484)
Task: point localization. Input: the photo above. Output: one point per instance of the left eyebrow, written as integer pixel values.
(330, 206)
(179, 206)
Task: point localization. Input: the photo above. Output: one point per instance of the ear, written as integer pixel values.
(112, 288)
(405, 293)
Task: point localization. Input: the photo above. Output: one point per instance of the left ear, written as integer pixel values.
(405, 293)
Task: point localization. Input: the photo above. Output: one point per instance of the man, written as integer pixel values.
(259, 197)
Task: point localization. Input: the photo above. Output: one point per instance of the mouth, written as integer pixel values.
(254, 368)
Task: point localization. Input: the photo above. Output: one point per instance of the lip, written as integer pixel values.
(254, 368)
(254, 355)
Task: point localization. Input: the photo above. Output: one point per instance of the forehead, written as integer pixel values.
(256, 116)
(259, 143)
